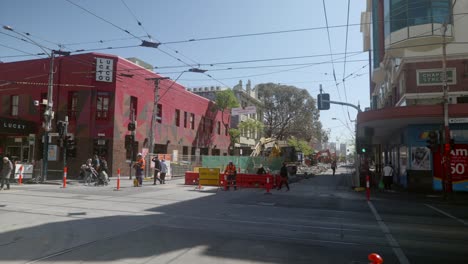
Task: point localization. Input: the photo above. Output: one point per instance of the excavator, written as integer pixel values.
(266, 147)
(324, 156)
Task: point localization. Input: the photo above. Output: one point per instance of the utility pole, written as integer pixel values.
(154, 115)
(65, 133)
(48, 116)
(132, 142)
(447, 178)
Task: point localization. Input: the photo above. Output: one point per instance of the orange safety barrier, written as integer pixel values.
(20, 178)
(191, 178)
(65, 170)
(118, 180)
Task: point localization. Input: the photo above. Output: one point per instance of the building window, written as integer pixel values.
(14, 105)
(133, 106)
(192, 120)
(177, 117)
(218, 127)
(72, 105)
(159, 114)
(102, 107)
(202, 123)
(226, 131)
(185, 119)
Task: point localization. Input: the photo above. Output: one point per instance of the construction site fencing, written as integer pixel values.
(244, 164)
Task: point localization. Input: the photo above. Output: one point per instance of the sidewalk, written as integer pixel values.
(112, 181)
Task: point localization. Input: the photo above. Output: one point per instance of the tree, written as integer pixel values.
(300, 145)
(234, 135)
(250, 125)
(225, 100)
(290, 112)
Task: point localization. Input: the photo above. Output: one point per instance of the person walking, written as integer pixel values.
(284, 177)
(139, 168)
(163, 171)
(5, 173)
(157, 170)
(230, 172)
(388, 176)
(333, 166)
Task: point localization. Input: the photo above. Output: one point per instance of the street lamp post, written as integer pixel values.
(48, 112)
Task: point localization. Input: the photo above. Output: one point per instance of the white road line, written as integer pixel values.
(391, 240)
(447, 214)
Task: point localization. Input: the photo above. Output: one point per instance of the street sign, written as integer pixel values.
(458, 120)
(244, 111)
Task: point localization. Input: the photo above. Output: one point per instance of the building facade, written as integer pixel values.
(408, 42)
(101, 94)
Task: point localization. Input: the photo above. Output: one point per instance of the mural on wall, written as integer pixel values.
(458, 168)
(420, 158)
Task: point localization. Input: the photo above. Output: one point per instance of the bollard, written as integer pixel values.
(118, 179)
(225, 182)
(268, 187)
(367, 188)
(64, 177)
(20, 178)
(375, 258)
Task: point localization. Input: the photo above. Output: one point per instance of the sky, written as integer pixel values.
(296, 42)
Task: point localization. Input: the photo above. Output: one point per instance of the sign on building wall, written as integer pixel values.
(434, 77)
(458, 168)
(244, 111)
(104, 69)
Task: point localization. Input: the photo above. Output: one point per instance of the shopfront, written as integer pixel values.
(17, 139)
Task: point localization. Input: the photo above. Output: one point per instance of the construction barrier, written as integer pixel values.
(65, 170)
(243, 180)
(20, 178)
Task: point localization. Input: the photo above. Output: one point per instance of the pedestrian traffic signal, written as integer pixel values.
(131, 126)
(433, 141)
(70, 145)
(323, 101)
(129, 139)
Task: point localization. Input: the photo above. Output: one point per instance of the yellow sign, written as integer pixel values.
(209, 176)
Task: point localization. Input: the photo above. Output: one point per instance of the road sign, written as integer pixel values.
(458, 120)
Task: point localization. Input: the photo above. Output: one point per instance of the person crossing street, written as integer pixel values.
(230, 172)
(6, 173)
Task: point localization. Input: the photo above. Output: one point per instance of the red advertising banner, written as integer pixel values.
(458, 167)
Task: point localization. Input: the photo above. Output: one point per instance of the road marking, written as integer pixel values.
(447, 214)
(391, 240)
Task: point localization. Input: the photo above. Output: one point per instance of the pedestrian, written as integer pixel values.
(333, 166)
(95, 162)
(157, 170)
(388, 176)
(284, 176)
(139, 168)
(163, 171)
(230, 172)
(5, 173)
(261, 170)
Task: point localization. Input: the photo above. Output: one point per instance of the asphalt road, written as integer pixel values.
(321, 220)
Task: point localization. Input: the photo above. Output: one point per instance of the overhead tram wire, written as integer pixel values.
(344, 64)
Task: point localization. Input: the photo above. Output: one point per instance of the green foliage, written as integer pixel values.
(300, 145)
(225, 100)
(290, 112)
(251, 125)
(234, 134)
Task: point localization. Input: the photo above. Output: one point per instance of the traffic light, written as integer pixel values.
(129, 139)
(70, 145)
(433, 141)
(323, 101)
(131, 126)
(61, 128)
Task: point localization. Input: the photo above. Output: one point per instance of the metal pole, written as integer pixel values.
(447, 179)
(65, 132)
(154, 116)
(48, 116)
(132, 143)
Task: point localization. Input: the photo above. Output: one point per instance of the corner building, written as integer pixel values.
(405, 40)
(99, 93)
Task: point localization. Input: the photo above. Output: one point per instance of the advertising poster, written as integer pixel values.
(420, 158)
(458, 168)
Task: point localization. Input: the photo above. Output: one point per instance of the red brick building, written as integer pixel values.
(98, 93)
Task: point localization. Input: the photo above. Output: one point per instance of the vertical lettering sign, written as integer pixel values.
(104, 69)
